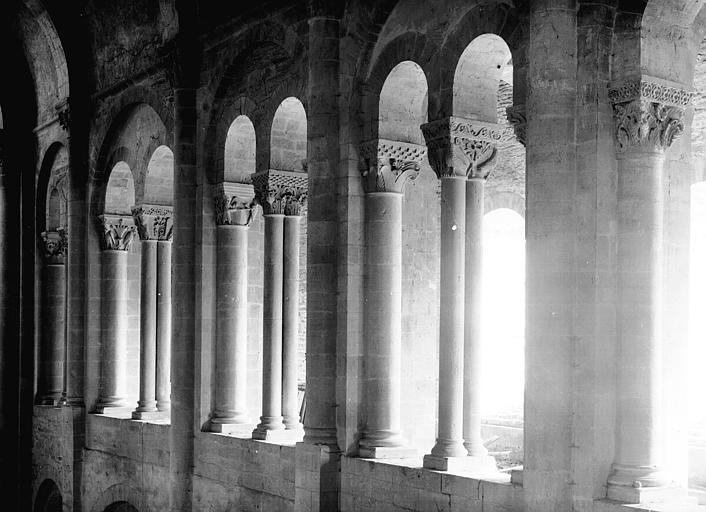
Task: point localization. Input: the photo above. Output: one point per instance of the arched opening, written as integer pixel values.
(402, 108)
(503, 336)
(288, 137)
(403, 104)
(120, 192)
(48, 498)
(159, 183)
(485, 66)
(239, 161)
(120, 506)
(288, 152)
(482, 96)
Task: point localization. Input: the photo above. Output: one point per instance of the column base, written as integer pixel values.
(649, 495)
(476, 464)
(114, 410)
(237, 429)
(386, 452)
(149, 415)
(280, 436)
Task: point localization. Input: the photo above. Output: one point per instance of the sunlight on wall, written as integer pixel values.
(697, 301)
(504, 314)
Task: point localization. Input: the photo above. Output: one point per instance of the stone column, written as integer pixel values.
(164, 320)
(234, 214)
(273, 189)
(296, 202)
(386, 167)
(53, 317)
(153, 223)
(457, 149)
(118, 233)
(648, 117)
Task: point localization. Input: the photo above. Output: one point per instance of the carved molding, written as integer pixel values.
(386, 165)
(461, 147)
(517, 117)
(118, 232)
(281, 192)
(234, 204)
(54, 244)
(648, 114)
(650, 89)
(154, 222)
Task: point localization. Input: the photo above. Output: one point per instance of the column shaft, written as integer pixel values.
(231, 330)
(147, 404)
(114, 329)
(473, 318)
(53, 333)
(164, 323)
(271, 418)
(639, 439)
(383, 323)
(290, 322)
(449, 442)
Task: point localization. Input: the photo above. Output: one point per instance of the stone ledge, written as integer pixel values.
(404, 483)
(606, 505)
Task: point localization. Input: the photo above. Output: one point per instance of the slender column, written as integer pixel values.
(164, 323)
(234, 214)
(649, 117)
(118, 233)
(52, 349)
(290, 313)
(273, 189)
(386, 167)
(147, 404)
(457, 149)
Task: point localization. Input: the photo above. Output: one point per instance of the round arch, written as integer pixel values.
(159, 182)
(403, 104)
(240, 153)
(288, 142)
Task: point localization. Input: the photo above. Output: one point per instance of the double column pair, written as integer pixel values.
(458, 149)
(154, 225)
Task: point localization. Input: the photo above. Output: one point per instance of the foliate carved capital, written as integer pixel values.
(517, 117)
(461, 147)
(648, 114)
(386, 165)
(54, 244)
(234, 204)
(118, 232)
(281, 192)
(154, 222)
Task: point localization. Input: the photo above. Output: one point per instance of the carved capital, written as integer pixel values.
(517, 117)
(118, 232)
(234, 204)
(153, 222)
(54, 244)
(648, 114)
(386, 165)
(461, 147)
(281, 192)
